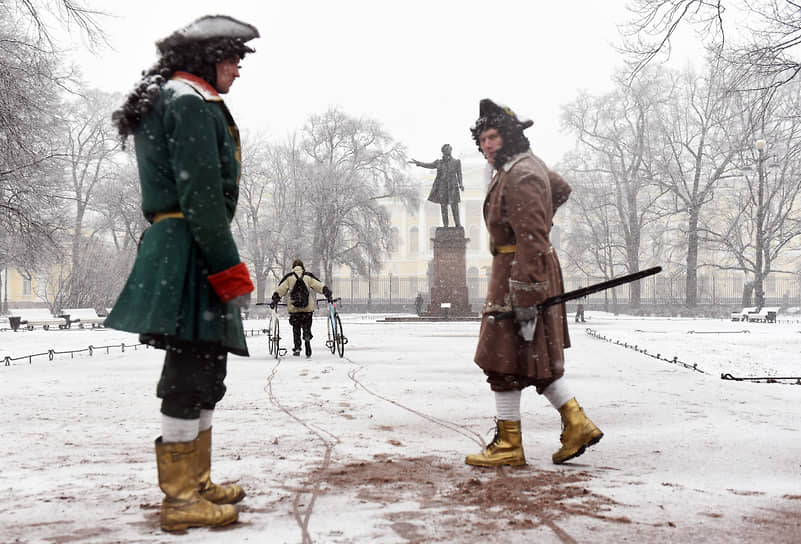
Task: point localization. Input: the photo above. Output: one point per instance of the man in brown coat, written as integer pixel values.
(529, 350)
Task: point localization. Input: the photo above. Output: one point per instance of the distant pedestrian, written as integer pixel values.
(527, 351)
(418, 303)
(580, 302)
(188, 283)
(299, 306)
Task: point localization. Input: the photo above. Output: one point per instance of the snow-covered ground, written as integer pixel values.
(370, 447)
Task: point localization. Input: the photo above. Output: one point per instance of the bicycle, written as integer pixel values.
(273, 335)
(336, 336)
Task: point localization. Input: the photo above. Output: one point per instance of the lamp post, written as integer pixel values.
(759, 291)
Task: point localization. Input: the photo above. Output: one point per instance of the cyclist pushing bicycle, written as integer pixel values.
(297, 286)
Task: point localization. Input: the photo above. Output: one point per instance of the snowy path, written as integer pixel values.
(370, 447)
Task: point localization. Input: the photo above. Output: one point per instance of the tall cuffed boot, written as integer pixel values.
(578, 432)
(505, 449)
(183, 507)
(218, 494)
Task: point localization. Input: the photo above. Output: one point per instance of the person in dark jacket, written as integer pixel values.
(529, 350)
(188, 283)
(447, 184)
(300, 317)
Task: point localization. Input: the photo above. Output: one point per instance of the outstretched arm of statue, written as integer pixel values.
(425, 164)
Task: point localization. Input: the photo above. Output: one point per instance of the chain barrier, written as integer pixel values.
(635, 347)
(51, 353)
(794, 380)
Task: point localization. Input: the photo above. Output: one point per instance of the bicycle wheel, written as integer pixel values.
(269, 331)
(331, 342)
(340, 337)
(275, 340)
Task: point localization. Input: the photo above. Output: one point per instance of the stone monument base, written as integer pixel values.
(449, 295)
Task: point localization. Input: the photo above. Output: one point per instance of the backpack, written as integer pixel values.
(299, 296)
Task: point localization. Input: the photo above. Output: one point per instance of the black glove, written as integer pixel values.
(274, 302)
(327, 293)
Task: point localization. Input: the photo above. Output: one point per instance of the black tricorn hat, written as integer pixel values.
(487, 108)
(209, 27)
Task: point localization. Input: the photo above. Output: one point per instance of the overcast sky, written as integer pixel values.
(418, 67)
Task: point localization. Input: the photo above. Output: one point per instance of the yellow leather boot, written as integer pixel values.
(578, 432)
(505, 449)
(183, 507)
(218, 494)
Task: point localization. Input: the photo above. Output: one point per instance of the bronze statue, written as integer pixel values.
(447, 184)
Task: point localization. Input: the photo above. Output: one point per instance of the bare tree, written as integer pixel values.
(760, 217)
(695, 149)
(353, 164)
(29, 83)
(117, 205)
(612, 133)
(270, 207)
(765, 52)
(92, 147)
(594, 246)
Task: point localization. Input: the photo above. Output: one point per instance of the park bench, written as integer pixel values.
(84, 317)
(35, 317)
(765, 315)
(743, 314)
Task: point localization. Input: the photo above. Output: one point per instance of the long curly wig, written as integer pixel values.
(511, 131)
(199, 58)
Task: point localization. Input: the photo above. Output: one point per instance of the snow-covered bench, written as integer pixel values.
(765, 315)
(743, 314)
(35, 317)
(84, 317)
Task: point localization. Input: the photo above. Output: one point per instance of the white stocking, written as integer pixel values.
(175, 429)
(507, 405)
(558, 393)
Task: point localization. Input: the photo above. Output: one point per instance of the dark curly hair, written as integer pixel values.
(511, 131)
(198, 58)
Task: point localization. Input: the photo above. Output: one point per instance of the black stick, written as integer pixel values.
(584, 291)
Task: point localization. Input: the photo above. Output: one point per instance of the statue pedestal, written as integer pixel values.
(449, 288)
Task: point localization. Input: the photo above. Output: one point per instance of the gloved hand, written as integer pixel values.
(273, 305)
(526, 318)
(242, 301)
(327, 293)
(275, 299)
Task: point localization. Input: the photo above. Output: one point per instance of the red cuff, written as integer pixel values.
(232, 282)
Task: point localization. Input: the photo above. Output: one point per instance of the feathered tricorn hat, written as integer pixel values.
(210, 27)
(487, 109)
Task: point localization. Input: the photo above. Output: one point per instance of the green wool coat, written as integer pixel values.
(188, 154)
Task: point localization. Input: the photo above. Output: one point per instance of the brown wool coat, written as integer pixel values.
(518, 209)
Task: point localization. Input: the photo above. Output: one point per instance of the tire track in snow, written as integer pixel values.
(302, 510)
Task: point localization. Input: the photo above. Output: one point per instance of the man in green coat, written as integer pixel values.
(188, 283)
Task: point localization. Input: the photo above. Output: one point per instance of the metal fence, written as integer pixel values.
(384, 293)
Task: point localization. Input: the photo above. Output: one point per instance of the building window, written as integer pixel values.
(27, 287)
(414, 244)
